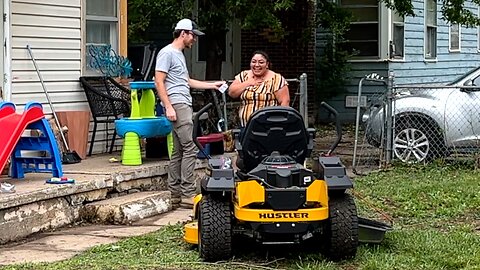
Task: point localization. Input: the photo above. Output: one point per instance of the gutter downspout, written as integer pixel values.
(7, 52)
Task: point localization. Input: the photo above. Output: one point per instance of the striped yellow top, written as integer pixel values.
(258, 96)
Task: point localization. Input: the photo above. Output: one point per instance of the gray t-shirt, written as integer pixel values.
(172, 61)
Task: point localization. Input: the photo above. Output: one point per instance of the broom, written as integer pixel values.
(68, 156)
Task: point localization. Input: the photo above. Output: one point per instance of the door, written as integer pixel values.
(230, 54)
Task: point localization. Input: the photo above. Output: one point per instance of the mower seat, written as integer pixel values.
(273, 129)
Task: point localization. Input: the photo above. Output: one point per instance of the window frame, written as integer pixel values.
(114, 32)
(379, 6)
(430, 43)
(450, 49)
(392, 54)
(478, 32)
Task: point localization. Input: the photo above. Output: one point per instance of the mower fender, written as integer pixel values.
(334, 173)
(219, 180)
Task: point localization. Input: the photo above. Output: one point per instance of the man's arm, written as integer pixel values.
(196, 84)
(162, 94)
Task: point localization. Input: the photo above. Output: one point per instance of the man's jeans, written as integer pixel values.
(181, 181)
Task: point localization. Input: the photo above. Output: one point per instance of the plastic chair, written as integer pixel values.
(108, 101)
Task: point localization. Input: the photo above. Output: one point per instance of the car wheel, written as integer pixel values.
(414, 143)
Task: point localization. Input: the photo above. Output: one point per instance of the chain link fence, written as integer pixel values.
(417, 124)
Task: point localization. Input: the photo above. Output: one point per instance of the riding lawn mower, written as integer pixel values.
(272, 197)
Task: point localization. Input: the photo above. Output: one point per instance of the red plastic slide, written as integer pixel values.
(12, 126)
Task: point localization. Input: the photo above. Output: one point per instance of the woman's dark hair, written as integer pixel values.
(262, 53)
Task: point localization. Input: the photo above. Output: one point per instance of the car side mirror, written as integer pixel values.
(468, 83)
(469, 86)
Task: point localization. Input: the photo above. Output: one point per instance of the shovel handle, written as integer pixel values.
(48, 97)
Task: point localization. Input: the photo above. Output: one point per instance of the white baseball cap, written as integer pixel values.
(187, 24)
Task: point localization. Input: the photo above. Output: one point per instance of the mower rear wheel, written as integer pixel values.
(342, 228)
(215, 229)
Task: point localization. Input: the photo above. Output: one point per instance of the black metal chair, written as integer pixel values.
(108, 101)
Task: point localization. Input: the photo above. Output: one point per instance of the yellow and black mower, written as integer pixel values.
(272, 197)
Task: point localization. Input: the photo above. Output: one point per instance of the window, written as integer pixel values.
(430, 29)
(363, 36)
(101, 24)
(454, 37)
(397, 44)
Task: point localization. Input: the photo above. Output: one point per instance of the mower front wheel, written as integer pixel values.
(342, 228)
(215, 228)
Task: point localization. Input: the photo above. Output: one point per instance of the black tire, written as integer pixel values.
(215, 229)
(342, 228)
(418, 140)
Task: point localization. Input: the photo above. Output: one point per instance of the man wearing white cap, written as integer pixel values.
(173, 85)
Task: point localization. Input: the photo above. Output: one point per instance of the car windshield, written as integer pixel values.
(462, 77)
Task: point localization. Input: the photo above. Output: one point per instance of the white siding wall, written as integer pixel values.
(53, 28)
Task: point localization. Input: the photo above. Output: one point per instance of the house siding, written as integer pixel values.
(369, 89)
(413, 69)
(53, 30)
(448, 65)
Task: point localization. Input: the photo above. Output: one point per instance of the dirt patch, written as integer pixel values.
(367, 157)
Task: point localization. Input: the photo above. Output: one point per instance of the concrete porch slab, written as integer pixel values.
(37, 206)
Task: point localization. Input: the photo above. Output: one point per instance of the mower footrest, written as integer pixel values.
(371, 231)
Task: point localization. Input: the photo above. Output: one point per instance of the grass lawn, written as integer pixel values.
(436, 214)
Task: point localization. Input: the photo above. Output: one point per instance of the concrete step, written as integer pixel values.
(37, 207)
(128, 208)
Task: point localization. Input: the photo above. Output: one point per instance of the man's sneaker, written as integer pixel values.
(187, 202)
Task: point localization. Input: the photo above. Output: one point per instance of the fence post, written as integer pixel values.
(389, 118)
(303, 106)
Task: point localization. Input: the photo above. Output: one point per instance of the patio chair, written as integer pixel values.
(108, 101)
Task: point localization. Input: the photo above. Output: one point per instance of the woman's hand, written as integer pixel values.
(252, 82)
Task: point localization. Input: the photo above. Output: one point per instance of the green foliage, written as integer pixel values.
(143, 13)
(333, 64)
(453, 11)
(212, 15)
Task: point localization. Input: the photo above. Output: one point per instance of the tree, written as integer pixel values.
(453, 11)
(214, 16)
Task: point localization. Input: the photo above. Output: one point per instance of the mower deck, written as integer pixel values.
(369, 231)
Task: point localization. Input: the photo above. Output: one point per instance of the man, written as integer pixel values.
(173, 85)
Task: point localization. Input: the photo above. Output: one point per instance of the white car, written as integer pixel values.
(430, 121)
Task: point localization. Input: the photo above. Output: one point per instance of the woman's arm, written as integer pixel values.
(237, 87)
(283, 96)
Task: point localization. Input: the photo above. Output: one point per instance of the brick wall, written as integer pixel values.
(292, 55)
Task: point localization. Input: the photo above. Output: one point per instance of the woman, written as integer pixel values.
(259, 87)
